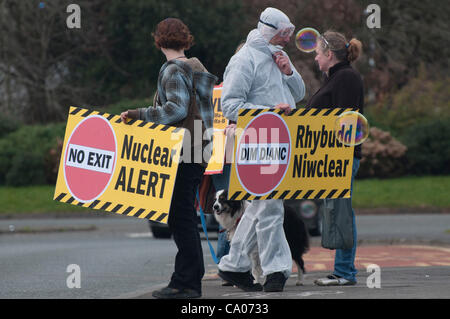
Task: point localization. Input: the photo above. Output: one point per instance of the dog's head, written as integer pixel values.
(224, 206)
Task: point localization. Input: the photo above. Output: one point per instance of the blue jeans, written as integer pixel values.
(344, 261)
(221, 181)
(223, 245)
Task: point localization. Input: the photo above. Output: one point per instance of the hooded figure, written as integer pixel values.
(253, 79)
(273, 21)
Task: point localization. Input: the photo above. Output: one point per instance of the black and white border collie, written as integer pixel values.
(228, 214)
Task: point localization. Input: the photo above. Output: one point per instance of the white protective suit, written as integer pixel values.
(253, 80)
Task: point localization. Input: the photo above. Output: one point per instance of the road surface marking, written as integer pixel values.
(139, 235)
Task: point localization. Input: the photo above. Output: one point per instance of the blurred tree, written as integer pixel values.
(112, 57)
(412, 33)
(36, 51)
(127, 27)
(422, 99)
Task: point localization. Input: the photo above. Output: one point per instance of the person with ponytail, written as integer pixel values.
(342, 88)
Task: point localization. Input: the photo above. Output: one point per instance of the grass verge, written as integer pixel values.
(33, 200)
(410, 193)
(407, 192)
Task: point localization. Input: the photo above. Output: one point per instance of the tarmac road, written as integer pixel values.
(118, 258)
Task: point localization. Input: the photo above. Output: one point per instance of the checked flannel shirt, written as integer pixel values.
(174, 91)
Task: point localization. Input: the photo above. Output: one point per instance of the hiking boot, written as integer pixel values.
(334, 280)
(242, 280)
(174, 293)
(275, 282)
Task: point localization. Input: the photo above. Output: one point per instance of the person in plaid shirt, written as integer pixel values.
(183, 99)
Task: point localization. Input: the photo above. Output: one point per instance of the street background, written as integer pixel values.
(119, 258)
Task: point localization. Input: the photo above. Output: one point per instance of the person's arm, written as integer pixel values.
(295, 84)
(238, 79)
(178, 97)
(174, 109)
(290, 75)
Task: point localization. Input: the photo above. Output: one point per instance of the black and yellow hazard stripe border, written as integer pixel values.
(116, 119)
(293, 194)
(115, 208)
(299, 111)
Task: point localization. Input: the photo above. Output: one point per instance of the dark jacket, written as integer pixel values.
(343, 88)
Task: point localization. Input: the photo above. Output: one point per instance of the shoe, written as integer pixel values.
(275, 282)
(226, 283)
(334, 280)
(174, 293)
(242, 280)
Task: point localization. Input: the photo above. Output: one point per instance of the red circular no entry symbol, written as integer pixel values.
(263, 154)
(90, 158)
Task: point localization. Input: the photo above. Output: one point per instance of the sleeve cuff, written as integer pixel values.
(134, 114)
(287, 77)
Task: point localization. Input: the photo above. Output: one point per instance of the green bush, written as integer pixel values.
(30, 154)
(418, 116)
(7, 125)
(24, 154)
(382, 156)
(422, 99)
(428, 145)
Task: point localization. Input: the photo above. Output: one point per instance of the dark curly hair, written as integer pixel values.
(172, 33)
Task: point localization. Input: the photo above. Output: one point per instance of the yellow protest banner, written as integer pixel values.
(128, 169)
(215, 164)
(291, 157)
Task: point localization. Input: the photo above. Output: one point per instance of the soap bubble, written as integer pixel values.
(344, 128)
(306, 40)
(308, 209)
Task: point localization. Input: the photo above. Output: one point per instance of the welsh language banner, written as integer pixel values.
(291, 157)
